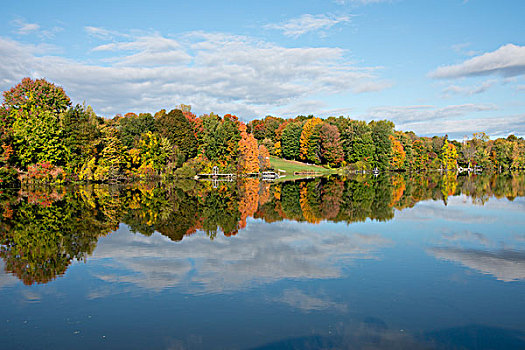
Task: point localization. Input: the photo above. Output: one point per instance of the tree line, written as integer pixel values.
(358, 145)
(44, 138)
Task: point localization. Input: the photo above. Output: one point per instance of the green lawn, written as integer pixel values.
(288, 167)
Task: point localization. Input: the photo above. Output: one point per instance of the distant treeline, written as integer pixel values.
(43, 138)
(356, 144)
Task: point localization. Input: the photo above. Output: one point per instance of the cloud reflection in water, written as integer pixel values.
(259, 254)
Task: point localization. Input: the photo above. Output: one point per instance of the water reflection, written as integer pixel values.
(44, 230)
(505, 265)
(260, 255)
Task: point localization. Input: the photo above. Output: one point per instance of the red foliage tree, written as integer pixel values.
(331, 148)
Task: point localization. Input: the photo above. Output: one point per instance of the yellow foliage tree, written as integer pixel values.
(306, 136)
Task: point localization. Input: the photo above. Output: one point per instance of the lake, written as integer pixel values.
(393, 262)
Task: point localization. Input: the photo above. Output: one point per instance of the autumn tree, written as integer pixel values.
(277, 147)
(331, 149)
(450, 156)
(248, 151)
(33, 117)
(420, 154)
(112, 159)
(264, 158)
(309, 143)
(131, 127)
(38, 94)
(81, 135)
(178, 130)
(154, 151)
(398, 153)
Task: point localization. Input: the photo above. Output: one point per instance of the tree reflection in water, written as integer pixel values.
(43, 230)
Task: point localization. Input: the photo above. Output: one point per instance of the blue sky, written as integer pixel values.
(434, 67)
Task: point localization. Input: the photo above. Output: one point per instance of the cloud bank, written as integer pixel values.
(216, 72)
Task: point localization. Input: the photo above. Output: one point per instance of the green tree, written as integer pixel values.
(178, 130)
(155, 151)
(38, 136)
(290, 141)
(131, 127)
(381, 131)
(32, 113)
(358, 144)
(81, 135)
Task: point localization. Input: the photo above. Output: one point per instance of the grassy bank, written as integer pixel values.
(289, 167)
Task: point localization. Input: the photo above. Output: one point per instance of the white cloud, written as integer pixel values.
(508, 61)
(469, 90)
(500, 126)
(306, 23)
(24, 28)
(147, 51)
(102, 33)
(454, 120)
(211, 71)
(410, 114)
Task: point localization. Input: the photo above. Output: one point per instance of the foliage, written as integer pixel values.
(248, 152)
(309, 142)
(398, 153)
(155, 151)
(264, 158)
(37, 94)
(81, 136)
(44, 173)
(358, 144)
(177, 129)
(290, 141)
(38, 136)
(331, 148)
(131, 127)
(9, 177)
(381, 131)
(450, 156)
(38, 127)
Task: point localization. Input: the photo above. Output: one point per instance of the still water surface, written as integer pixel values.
(389, 262)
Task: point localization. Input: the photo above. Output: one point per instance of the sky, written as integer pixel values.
(434, 67)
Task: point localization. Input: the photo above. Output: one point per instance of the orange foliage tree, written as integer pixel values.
(264, 158)
(398, 153)
(248, 151)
